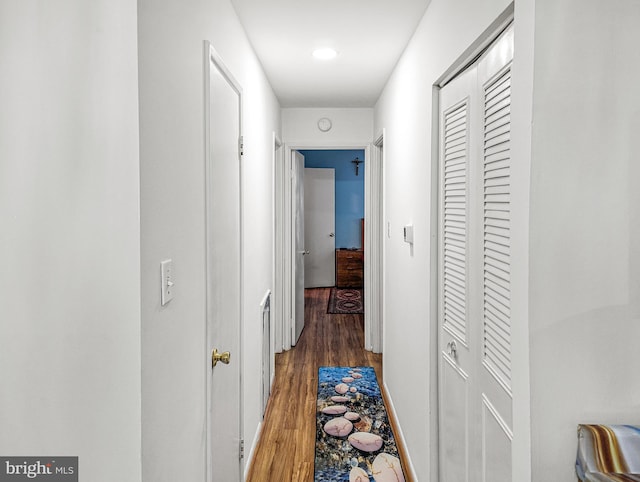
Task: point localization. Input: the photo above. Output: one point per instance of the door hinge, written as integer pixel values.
(241, 449)
(240, 147)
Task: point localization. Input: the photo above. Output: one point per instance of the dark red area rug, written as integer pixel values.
(346, 301)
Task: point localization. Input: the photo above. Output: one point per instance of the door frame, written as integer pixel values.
(466, 59)
(373, 261)
(374, 243)
(279, 300)
(297, 239)
(211, 57)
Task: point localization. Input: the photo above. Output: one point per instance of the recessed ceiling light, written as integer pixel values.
(326, 53)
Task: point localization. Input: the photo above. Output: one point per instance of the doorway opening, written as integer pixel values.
(334, 181)
(364, 234)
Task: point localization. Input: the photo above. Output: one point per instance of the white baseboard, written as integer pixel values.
(392, 411)
(249, 458)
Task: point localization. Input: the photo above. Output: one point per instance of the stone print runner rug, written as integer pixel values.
(354, 441)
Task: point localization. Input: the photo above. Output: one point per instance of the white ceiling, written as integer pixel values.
(369, 35)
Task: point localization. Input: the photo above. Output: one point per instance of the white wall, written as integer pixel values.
(350, 127)
(576, 253)
(69, 192)
(404, 110)
(174, 359)
(585, 229)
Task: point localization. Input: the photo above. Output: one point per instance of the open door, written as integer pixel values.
(297, 162)
(319, 227)
(224, 267)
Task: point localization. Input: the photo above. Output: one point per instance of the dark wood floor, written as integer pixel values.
(287, 443)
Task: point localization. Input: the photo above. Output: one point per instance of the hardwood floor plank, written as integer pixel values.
(287, 444)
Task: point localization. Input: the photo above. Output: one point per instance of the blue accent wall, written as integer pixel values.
(349, 191)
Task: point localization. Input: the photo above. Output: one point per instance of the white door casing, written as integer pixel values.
(298, 244)
(319, 227)
(223, 108)
(286, 253)
(278, 311)
(474, 264)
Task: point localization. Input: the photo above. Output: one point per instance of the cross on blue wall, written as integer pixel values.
(349, 191)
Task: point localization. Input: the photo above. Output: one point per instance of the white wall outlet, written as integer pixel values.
(166, 280)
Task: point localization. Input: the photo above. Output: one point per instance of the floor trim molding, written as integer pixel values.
(248, 461)
(399, 435)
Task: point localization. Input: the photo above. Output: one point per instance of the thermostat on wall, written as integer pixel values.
(408, 234)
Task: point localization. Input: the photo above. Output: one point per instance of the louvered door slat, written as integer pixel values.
(502, 84)
(503, 113)
(497, 104)
(501, 329)
(498, 155)
(454, 275)
(456, 259)
(454, 242)
(455, 295)
(497, 291)
(499, 340)
(455, 219)
(496, 232)
(455, 307)
(498, 273)
(502, 360)
(498, 240)
(491, 150)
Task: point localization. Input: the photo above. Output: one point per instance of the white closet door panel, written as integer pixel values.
(454, 166)
(459, 415)
(497, 437)
(454, 440)
(494, 200)
(497, 239)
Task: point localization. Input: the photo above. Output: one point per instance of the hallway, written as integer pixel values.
(105, 159)
(286, 449)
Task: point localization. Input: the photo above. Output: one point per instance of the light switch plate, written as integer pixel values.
(166, 280)
(408, 234)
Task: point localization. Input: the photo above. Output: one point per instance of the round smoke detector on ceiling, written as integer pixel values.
(324, 124)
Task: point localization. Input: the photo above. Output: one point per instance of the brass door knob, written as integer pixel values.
(216, 357)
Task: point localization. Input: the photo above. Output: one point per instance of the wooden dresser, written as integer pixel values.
(349, 268)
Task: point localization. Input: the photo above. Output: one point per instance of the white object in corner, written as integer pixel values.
(166, 280)
(408, 234)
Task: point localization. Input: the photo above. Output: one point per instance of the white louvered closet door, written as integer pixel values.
(474, 288)
(456, 354)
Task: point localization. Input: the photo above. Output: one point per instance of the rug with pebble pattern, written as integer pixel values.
(346, 301)
(354, 441)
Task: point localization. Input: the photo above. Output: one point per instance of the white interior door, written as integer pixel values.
(224, 268)
(474, 320)
(319, 227)
(299, 245)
